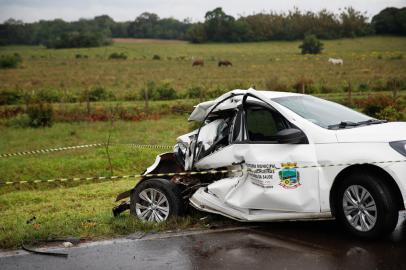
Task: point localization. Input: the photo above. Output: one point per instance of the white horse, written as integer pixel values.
(336, 61)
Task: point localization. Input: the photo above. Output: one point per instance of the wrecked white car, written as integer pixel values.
(266, 156)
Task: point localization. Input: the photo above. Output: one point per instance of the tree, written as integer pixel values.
(219, 25)
(390, 21)
(197, 33)
(311, 45)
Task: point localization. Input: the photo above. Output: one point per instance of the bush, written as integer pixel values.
(150, 89)
(304, 85)
(156, 57)
(311, 45)
(40, 115)
(325, 89)
(195, 92)
(97, 93)
(394, 84)
(215, 93)
(80, 56)
(390, 113)
(363, 87)
(165, 92)
(274, 84)
(20, 121)
(10, 97)
(48, 96)
(396, 57)
(76, 39)
(10, 61)
(375, 104)
(119, 56)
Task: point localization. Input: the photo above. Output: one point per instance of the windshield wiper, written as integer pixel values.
(372, 122)
(345, 124)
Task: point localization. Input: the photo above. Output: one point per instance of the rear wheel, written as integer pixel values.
(155, 200)
(365, 206)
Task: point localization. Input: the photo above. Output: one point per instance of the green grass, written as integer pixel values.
(83, 211)
(86, 162)
(253, 64)
(77, 209)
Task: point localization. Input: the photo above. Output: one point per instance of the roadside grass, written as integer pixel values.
(82, 211)
(78, 209)
(86, 162)
(367, 61)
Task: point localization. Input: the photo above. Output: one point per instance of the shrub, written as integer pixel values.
(48, 96)
(396, 57)
(363, 87)
(195, 92)
(10, 61)
(274, 84)
(215, 93)
(165, 92)
(20, 121)
(379, 85)
(76, 39)
(156, 57)
(150, 89)
(98, 93)
(10, 97)
(375, 104)
(118, 56)
(311, 45)
(40, 115)
(325, 89)
(304, 85)
(390, 113)
(394, 84)
(80, 56)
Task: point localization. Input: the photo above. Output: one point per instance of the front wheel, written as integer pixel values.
(155, 200)
(365, 206)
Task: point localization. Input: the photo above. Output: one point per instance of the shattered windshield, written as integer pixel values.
(323, 113)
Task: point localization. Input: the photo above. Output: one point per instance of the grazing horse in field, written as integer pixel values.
(198, 63)
(225, 63)
(336, 61)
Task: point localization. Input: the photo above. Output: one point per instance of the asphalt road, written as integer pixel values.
(286, 245)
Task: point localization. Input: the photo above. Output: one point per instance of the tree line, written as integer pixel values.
(217, 27)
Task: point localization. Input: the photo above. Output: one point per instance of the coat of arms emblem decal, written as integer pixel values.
(289, 176)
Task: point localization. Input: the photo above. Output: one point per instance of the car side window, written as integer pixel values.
(262, 124)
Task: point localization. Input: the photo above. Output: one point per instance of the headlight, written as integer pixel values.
(399, 146)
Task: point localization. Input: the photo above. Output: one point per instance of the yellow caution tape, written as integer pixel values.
(66, 148)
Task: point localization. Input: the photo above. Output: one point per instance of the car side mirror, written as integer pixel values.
(291, 136)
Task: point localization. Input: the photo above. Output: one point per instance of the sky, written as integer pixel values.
(124, 10)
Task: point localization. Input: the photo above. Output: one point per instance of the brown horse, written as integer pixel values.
(225, 63)
(198, 63)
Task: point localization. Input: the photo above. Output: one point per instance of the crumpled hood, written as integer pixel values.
(387, 132)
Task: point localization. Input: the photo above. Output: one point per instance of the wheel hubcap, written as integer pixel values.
(359, 208)
(153, 206)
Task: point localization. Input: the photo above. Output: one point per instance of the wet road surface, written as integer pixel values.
(284, 245)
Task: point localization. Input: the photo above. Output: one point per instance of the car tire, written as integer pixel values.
(371, 214)
(156, 200)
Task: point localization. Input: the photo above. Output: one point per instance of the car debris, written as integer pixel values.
(287, 156)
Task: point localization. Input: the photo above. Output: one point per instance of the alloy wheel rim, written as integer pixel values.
(359, 208)
(153, 206)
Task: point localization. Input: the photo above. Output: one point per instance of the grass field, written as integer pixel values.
(84, 210)
(371, 61)
(79, 209)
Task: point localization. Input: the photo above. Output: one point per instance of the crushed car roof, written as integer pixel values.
(201, 110)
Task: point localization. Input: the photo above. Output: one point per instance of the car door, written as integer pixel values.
(272, 180)
(216, 148)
